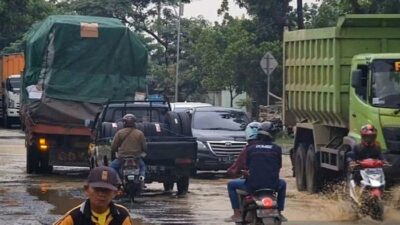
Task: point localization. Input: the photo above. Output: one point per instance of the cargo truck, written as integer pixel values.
(73, 65)
(337, 79)
(11, 67)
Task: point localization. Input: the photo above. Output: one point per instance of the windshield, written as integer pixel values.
(14, 84)
(386, 83)
(220, 120)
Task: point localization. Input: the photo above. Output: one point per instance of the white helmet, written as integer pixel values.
(252, 130)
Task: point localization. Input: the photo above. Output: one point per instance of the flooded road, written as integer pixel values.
(41, 199)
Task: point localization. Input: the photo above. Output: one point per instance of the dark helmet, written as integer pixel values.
(129, 120)
(368, 134)
(266, 130)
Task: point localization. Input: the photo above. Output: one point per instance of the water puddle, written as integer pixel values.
(62, 200)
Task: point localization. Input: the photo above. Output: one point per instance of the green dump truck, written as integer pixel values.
(337, 79)
(73, 65)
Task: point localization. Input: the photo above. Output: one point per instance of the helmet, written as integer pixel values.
(368, 134)
(266, 129)
(129, 120)
(251, 130)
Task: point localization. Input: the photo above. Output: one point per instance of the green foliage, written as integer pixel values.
(228, 57)
(327, 14)
(16, 17)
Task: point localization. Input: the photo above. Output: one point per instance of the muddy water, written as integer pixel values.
(39, 199)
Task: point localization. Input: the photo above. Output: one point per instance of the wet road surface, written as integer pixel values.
(41, 199)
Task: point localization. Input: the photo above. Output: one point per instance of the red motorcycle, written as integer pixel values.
(366, 183)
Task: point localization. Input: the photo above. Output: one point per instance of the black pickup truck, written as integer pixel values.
(171, 149)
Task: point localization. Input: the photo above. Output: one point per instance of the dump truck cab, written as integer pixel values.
(375, 99)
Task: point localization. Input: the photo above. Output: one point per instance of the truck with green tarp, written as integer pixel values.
(73, 65)
(337, 79)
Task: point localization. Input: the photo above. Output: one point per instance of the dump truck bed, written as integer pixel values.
(317, 65)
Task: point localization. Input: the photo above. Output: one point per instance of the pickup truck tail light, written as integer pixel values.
(43, 144)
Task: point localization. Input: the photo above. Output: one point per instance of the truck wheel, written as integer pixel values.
(183, 185)
(6, 121)
(44, 163)
(168, 186)
(140, 127)
(151, 129)
(106, 128)
(32, 160)
(312, 177)
(186, 124)
(299, 167)
(174, 123)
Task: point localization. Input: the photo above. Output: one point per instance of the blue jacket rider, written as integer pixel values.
(263, 160)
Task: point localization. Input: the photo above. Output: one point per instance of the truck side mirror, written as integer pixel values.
(356, 78)
(89, 123)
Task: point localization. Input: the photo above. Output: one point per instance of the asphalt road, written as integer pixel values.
(41, 199)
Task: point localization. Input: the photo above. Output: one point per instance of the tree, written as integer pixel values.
(15, 19)
(271, 14)
(300, 17)
(228, 56)
(327, 13)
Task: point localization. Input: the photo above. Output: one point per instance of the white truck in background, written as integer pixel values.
(11, 105)
(11, 67)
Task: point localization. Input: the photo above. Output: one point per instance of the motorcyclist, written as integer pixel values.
(368, 148)
(261, 160)
(127, 142)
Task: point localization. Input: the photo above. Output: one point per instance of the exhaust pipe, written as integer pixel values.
(141, 178)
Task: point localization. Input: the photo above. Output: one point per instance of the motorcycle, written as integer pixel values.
(259, 208)
(132, 182)
(366, 183)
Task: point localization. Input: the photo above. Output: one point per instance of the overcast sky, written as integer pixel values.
(208, 9)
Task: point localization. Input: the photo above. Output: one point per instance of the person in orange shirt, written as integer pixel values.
(99, 209)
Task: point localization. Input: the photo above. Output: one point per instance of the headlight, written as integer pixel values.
(201, 145)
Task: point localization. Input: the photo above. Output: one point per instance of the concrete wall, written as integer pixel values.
(222, 98)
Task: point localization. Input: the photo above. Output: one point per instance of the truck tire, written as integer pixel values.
(140, 127)
(312, 178)
(151, 129)
(32, 160)
(107, 129)
(44, 163)
(186, 123)
(6, 121)
(174, 123)
(183, 185)
(299, 167)
(168, 186)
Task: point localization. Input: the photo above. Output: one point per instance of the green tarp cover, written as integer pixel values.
(68, 66)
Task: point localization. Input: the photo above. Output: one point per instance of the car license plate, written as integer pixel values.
(225, 158)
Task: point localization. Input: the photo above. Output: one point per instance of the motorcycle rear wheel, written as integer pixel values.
(272, 221)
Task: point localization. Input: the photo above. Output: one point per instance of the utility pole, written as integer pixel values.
(180, 13)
